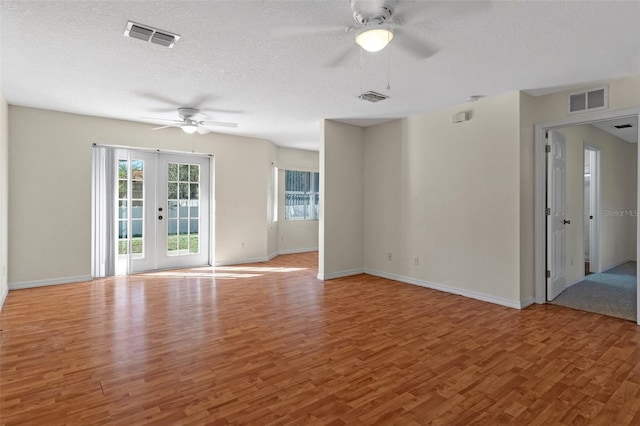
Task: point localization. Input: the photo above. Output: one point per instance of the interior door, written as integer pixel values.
(556, 217)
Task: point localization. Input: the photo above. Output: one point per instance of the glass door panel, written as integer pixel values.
(183, 238)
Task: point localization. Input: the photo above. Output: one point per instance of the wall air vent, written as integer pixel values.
(589, 100)
(150, 34)
(373, 96)
(623, 126)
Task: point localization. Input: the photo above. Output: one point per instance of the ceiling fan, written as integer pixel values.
(378, 22)
(189, 122)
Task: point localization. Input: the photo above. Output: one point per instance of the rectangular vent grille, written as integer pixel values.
(150, 34)
(588, 100)
(373, 96)
(623, 126)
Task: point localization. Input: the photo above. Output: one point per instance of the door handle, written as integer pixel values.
(590, 217)
(159, 217)
(566, 222)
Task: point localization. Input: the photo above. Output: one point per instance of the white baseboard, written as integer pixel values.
(264, 259)
(340, 274)
(516, 304)
(54, 281)
(616, 264)
(527, 302)
(244, 261)
(299, 250)
(3, 296)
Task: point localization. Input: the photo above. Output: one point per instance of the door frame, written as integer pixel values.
(540, 178)
(95, 254)
(594, 199)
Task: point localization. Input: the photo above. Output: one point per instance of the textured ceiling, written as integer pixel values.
(71, 56)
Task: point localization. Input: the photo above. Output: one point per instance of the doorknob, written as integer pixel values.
(566, 222)
(590, 217)
(159, 217)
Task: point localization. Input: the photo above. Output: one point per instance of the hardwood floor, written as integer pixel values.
(270, 344)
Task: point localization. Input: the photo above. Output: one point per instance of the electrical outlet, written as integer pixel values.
(389, 257)
(416, 261)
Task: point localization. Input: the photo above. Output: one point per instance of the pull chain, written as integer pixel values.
(361, 75)
(388, 60)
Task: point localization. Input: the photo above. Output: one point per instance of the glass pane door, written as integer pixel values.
(183, 192)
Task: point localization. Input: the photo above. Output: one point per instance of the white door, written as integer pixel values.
(556, 217)
(163, 211)
(183, 211)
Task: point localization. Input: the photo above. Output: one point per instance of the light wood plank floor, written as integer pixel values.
(270, 344)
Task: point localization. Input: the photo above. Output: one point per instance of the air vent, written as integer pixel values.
(150, 34)
(589, 100)
(373, 97)
(623, 126)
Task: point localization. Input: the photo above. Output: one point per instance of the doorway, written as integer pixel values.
(152, 211)
(591, 217)
(588, 230)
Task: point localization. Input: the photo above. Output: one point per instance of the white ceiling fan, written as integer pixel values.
(379, 22)
(189, 122)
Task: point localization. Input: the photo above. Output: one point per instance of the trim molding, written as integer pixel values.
(341, 274)
(243, 261)
(264, 259)
(53, 281)
(616, 264)
(516, 304)
(540, 188)
(527, 302)
(301, 250)
(3, 296)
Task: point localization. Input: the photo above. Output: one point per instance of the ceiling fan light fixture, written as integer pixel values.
(189, 127)
(374, 40)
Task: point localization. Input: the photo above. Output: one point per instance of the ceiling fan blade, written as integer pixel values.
(415, 47)
(308, 30)
(161, 119)
(416, 12)
(164, 127)
(158, 98)
(202, 130)
(342, 57)
(217, 123)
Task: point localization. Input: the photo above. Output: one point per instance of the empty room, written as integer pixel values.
(318, 212)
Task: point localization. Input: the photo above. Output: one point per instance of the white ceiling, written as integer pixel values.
(629, 134)
(71, 56)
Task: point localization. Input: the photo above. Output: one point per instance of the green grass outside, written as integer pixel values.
(174, 242)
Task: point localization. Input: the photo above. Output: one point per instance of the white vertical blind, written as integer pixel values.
(103, 233)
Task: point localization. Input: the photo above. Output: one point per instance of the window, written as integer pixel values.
(301, 195)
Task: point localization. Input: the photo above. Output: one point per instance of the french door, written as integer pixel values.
(163, 219)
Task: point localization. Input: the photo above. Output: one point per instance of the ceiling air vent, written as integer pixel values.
(588, 100)
(150, 34)
(373, 96)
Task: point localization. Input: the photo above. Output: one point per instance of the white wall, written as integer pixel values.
(4, 198)
(50, 197)
(447, 194)
(296, 235)
(618, 193)
(341, 200)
